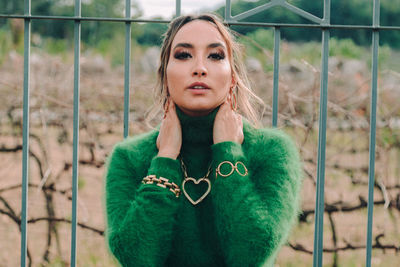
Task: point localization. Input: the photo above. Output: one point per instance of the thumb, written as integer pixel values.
(158, 140)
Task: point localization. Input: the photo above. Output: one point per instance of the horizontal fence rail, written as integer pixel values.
(316, 22)
(238, 23)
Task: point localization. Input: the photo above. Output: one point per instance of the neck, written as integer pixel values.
(196, 130)
(195, 113)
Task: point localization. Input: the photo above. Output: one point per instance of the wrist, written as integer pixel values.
(166, 167)
(228, 150)
(167, 154)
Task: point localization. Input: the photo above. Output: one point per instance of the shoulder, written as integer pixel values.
(141, 141)
(267, 138)
(269, 143)
(273, 156)
(135, 148)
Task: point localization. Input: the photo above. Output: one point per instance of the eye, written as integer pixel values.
(182, 55)
(217, 56)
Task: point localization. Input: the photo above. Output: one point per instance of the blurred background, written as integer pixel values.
(101, 121)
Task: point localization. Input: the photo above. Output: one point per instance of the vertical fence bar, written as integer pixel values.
(372, 136)
(25, 134)
(128, 29)
(77, 46)
(178, 7)
(228, 15)
(319, 205)
(275, 99)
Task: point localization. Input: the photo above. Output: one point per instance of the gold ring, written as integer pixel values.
(237, 169)
(218, 170)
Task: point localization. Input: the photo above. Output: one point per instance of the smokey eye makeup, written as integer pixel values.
(214, 55)
(220, 55)
(182, 55)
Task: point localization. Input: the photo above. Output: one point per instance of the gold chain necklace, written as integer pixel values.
(196, 182)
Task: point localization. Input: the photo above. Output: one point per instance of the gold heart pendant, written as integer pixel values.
(196, 182)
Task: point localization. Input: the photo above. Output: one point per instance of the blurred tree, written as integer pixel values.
(355, 12)
(151, 33)
(92, 31)
(11, 7)
(343, 12)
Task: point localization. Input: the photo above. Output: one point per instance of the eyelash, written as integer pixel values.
(185, 55)
(182, 55)
(217, 56)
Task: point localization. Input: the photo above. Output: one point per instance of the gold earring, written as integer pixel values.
(166, 106)
(233, 100)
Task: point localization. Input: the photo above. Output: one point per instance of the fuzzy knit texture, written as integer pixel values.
(242, 222)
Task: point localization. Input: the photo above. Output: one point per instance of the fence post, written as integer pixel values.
(178, 8)
(319, 203)
(127, 71)
(275, 99)
(372, 125)
(75, 154)
(25, 133)
(228, 15)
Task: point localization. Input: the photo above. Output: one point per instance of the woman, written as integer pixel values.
(207, 188)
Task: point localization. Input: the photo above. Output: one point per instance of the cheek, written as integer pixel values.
(173, 74)
(225, 75)
(174, 78)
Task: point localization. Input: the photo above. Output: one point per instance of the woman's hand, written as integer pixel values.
(228, 125)
(169, 140)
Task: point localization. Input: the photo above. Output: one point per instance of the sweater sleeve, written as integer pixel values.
(255, 212)
(140, 217)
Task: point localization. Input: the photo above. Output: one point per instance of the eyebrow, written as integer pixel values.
(188, 45)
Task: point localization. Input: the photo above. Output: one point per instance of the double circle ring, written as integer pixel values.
(233, 167)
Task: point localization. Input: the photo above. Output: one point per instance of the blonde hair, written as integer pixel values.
(246, 98)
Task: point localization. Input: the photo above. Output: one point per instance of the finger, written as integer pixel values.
(230, 105)
(230, 110)
(225, 105)
(240, 120)
(159, 138)
(172, 109)
(172, 105)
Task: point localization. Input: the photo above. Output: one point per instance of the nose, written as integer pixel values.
(198, 73)
(199, 69)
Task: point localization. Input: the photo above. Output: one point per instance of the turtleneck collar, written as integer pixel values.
(197, 130)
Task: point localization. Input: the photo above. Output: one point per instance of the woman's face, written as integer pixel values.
(198, 72)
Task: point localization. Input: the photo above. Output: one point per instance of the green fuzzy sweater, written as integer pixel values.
(242, 222)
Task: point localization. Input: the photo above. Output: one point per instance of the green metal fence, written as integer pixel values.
(320, 23)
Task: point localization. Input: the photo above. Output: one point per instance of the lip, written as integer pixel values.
(198, 84)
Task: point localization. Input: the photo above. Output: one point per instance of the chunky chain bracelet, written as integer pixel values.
(162, 182)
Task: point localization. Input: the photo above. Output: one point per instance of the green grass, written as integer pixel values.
(6, 43)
